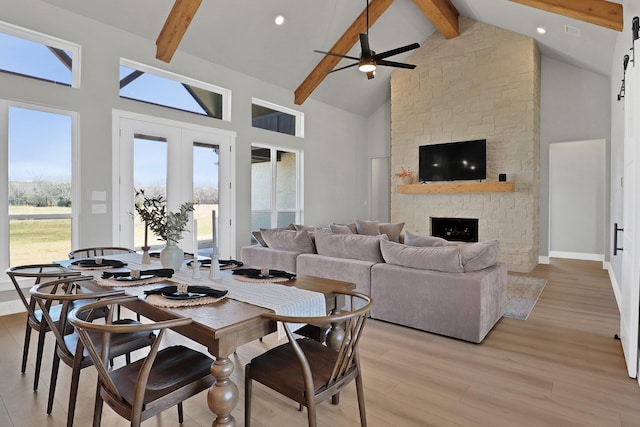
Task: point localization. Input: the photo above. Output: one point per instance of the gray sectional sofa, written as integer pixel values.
(428, 283)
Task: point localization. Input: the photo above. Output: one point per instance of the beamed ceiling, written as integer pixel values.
(244, 38)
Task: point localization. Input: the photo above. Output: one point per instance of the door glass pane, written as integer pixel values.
(286, 180)
(150, 175)
(260, 179)
(205, 193)
(39, 186)
(286, 218)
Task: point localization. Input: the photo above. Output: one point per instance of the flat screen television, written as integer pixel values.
(453, 161)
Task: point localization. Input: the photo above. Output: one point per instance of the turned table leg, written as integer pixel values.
(223, 394)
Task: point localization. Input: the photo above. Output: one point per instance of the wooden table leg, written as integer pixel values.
(223, 394)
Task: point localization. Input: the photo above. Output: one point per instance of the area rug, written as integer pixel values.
(522, 294)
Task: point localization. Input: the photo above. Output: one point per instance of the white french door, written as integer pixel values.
(630, 286)
(167, 157)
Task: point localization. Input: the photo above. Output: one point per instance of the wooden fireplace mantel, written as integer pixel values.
(457, 187)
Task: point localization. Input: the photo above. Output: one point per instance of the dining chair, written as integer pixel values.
(308, 371)
(70, 293)
(98, 251)
(143, 389)
(25, 276)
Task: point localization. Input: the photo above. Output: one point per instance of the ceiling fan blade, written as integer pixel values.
(396, 51)
(371, 74)
(396, 64)
(338, 55)
(364, 45)
(342, 68)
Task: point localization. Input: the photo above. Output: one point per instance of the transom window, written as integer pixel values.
(151, 85)
(266, 115)
(30, 54)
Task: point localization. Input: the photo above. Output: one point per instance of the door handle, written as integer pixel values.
(615, 239)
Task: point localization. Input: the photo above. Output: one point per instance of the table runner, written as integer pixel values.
(283, 300)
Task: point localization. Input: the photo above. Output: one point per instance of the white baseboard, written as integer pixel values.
(11, 307)
(543, 260)
(577, 255)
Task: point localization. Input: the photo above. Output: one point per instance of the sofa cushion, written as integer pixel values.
(289, 240)
(480, 255)
(443, 258)
(392, 230)
(411, 239)
(350, 246)
(369, 228)
(343, 228)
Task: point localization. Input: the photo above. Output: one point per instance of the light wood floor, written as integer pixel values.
(561, 367)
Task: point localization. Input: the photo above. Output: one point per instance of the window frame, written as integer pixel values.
(47, 40)
(297, 114)
(158, 72)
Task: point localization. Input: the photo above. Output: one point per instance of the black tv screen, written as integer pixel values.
(465, 160)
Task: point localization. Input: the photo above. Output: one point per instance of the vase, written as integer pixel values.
(407, 180)
(171, 256)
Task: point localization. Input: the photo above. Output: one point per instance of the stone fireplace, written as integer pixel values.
(455, 229)
(484, 84)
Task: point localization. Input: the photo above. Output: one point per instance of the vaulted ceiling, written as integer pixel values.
(242, 36)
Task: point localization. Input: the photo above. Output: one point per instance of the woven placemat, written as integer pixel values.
(160, 301)
(79, 268)
(124, 283)
(246, 279)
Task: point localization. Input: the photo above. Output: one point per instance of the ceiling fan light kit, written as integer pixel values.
(369, 60)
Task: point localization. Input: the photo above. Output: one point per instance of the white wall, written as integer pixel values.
(335, 145)
(577, 178)
(574, 107)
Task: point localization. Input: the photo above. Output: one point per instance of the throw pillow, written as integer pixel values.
(392, 230)
(370, 228)
(444, 258)
(258, 234)
(289, 240)
(343, 228)
(411, 239)
(350, 246)
(480, 255)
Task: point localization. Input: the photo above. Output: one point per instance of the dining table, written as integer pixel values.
(228, 322)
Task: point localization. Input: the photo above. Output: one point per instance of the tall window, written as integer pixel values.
(275, 187)
(40, 193)
(206, 163)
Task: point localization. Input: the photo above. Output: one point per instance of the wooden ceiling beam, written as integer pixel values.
(442, 14)
(175, 27)
(342, 46)
(599, 12)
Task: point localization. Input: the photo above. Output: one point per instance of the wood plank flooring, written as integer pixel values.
(561, 367)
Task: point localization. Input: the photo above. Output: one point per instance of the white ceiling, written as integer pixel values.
(242, 36)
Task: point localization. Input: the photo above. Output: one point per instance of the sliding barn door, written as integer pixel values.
(630, 287)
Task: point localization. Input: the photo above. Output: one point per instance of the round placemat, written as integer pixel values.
(254, 280)
(160, 301)
(124, 283)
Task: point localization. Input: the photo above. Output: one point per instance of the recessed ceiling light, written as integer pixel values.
(279, 20)
(541, 30)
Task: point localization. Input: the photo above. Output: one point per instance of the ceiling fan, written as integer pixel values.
(369, 60)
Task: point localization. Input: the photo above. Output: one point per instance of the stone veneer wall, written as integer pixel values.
(484, 84)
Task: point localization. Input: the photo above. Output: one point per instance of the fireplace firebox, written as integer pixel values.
(457, 229)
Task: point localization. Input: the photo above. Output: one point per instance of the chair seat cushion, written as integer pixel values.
(175, 367)
(280, 369)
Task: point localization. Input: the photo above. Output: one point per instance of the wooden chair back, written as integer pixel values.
(335, 367)
(114, 387)
(99, 251)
